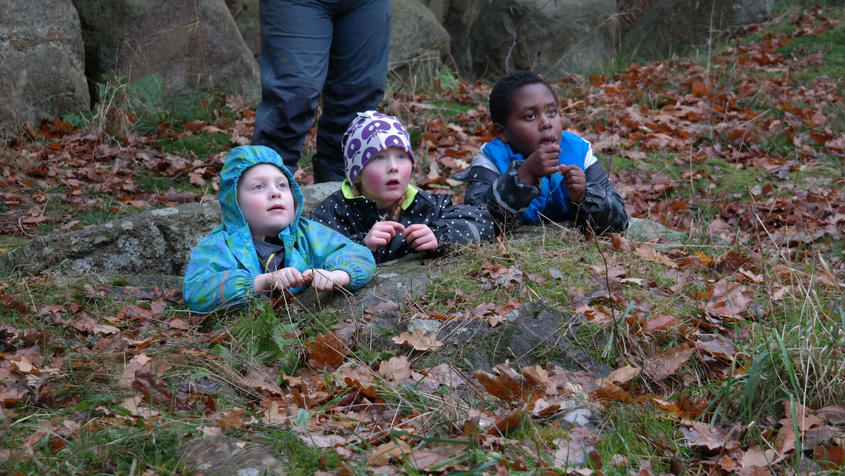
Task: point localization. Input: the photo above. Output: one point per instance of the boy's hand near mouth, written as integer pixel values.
(541, 163)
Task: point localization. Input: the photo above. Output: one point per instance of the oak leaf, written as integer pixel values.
(418, 340)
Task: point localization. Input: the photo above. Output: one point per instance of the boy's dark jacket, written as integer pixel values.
(354, 216)
(493, 183)
(224, 263)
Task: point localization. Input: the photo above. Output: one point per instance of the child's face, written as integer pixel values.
(386, 176)
(533, 120)
(266, 200)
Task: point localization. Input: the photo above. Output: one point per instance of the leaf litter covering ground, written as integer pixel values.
(686, 320)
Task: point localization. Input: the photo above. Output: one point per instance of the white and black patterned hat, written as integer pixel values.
(367, 135)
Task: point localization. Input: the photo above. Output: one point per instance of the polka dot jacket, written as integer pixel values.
(354, 216)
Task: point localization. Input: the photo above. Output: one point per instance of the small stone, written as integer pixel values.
(578, 417)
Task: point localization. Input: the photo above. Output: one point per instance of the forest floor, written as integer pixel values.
(727, 345)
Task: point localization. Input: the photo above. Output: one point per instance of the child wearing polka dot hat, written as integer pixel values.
(378, 207)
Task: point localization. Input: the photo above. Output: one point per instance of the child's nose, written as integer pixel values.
(392, 164)
(545, 121)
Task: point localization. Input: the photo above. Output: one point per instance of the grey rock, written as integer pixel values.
(153, 242)
(553, 37)
(426, 326)
(458, 22)
(148, 249)
(672, 27)
(534, 334)
(393, 282)
(578, 417)
(418, 42)
(42, 70)
(439, 8)
(221, 455)
(245, 13)
(190, 45)
(640, 229)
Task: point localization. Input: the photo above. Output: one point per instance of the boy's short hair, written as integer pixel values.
(502, 93)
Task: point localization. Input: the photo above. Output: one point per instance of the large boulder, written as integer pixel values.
(42, 72)
(245, 13)
(671, 27)
(457, 18)
(150, 246)
(553, 37)
(418, 42)
(189, 44)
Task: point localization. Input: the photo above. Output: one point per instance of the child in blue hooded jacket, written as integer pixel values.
(264, 243)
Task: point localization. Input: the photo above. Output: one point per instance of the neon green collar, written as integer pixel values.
(410, 194)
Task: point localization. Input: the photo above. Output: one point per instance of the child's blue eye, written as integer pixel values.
(551, 112)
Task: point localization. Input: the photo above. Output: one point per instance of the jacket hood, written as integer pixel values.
(238, 160)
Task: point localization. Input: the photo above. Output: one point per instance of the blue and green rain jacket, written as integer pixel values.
(224, 264)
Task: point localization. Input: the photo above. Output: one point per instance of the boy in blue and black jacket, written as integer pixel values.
(264, 243)
(534, 171)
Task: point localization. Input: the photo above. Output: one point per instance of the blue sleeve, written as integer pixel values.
(214, 278)
(332, 250)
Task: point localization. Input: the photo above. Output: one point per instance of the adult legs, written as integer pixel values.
(356, 78)
(296, 37)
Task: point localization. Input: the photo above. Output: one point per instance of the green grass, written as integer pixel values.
(304, 460)
(829, 43)
(197, 145)
(639, 432)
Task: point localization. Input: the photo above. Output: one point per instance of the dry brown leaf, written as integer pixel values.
(508, 421)
(755, 456)
(263, 383)
(538, 378)
(728, 300)
(649, 252)
(232, 419)
(418, 340)
(829, 457)
(396, 369)
(833, 414)
(715, 345)
(392, 450)
(621, 375)
(507, 385)
(661, 323)
(136, 363)
(609, 392)
(24, 366)
(327, 350)
(136, 409)
(701, 435)
(361, 377)
(445, 374)
(599, 315)
(180, 324)
(660, 366)
(11, 395)
(619, 242)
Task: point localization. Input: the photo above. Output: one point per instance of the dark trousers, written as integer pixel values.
(337, 47)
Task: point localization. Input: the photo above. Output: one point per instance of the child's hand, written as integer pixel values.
(576, 182)
(280, 279)
(541, 163)
(322, 280)
(420, 237)
(381, 233)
